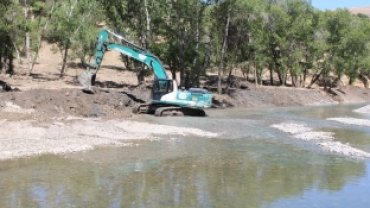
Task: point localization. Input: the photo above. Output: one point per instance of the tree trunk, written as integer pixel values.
(281, 77)
(304, 76)
(141, 74)
(195, 59)
(28, 53)
(64, 61)
(148, 22)
(1, 62)
(220, 68)
(255, 70)
(68, 44)
(277, 63)
(314, 79)
(206, 62)
(305, 71)
(10, 69)
(181, 38)
(271, 74)
(5, 59)
(181, 61)
(16, 51)
(173, 74)
(290, 61)
(229, 80)
(295, 81)
(41, 38)
(364, 80)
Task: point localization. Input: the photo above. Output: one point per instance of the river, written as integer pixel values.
(250, 164)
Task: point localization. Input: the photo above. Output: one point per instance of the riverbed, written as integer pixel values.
(260, 157)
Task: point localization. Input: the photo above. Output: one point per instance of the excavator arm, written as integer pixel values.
(131, 50)
(144, 57)
(166, 97)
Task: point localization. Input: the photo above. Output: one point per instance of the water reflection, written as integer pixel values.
(251, 165)
(358, 137)
(226, 173)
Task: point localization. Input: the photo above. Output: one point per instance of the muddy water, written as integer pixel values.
(249, 165)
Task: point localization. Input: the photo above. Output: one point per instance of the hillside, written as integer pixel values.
(362, 10)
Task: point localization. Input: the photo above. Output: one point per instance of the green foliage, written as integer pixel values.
(74, 28)
(11, 25)
(287, 37)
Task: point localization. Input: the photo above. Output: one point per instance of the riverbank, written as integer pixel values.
(54, 116)
(48, 97)
(45, 114)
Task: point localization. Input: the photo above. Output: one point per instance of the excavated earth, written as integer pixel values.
(116, 103)
(45, 118)
(49, 103)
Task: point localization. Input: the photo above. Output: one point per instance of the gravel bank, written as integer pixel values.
(355, 121)
(342, 149)
(303, 132)
(351, 121)
(306, 133)
(31, 138)
(365, 109)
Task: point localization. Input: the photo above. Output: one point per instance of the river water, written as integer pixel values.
(250, 164)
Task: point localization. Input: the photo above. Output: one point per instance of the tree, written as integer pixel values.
(338, 27)
(42, 12)
(73, 27)
(182, 43)
(278, 26)
(9, 24)
(356, 44)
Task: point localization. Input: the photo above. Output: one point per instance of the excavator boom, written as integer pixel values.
(130, 49)
(165, 93)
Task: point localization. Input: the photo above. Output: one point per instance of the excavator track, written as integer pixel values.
(179, 111)
(160, 111)
(141, 109)
(168, 111)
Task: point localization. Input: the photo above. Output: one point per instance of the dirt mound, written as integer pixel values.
(242, 93)
(109, 103)
(63, 102)
(351, 94)
(273, 97)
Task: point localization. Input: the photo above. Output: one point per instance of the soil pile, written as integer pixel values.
(115, 103)
(50, 103)
(265, 96)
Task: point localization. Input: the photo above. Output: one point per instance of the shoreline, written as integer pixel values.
(67, 120)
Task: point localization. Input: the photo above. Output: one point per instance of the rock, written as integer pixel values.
(244, 86)
(4, 87)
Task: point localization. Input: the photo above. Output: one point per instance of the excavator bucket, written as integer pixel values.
(87, 79)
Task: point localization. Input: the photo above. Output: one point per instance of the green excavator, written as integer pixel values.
(166, 98)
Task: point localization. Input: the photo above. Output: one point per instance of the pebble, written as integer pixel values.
(79, 134)
(303, 132)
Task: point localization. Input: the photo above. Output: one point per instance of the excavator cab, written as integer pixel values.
(161, 87)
